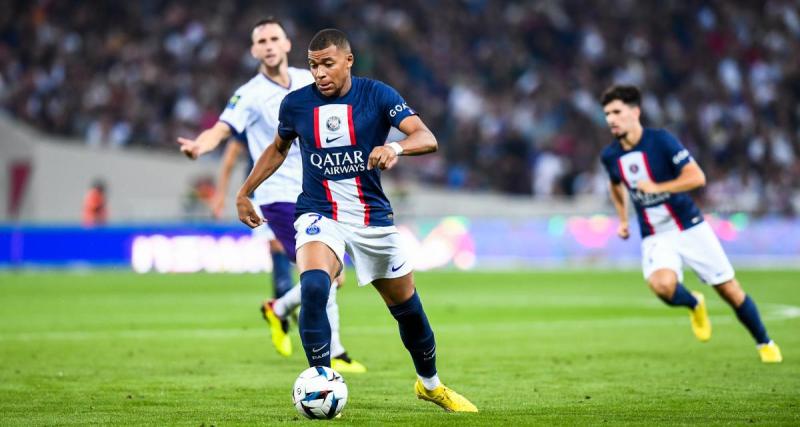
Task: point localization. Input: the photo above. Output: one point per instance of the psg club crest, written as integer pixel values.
(333, 123)
(634, 168)
(313, 228)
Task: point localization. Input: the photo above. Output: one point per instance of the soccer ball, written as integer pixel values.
(319, 393)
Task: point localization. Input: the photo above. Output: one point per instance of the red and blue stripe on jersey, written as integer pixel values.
(657, 157)
(336, 137)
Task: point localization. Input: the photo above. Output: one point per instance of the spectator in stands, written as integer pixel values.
(94, 205)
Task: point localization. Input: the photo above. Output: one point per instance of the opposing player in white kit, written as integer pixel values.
(342, 123)
(252, 116)
(657, 171)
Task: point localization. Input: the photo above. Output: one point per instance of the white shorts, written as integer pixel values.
(376, 251)
(698, 247)
(263, 232)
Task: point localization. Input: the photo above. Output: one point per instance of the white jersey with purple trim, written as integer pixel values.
(337, 136)
(252, 114)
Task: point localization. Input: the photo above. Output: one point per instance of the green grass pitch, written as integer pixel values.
(547, 348)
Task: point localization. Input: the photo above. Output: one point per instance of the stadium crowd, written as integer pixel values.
(510, 88)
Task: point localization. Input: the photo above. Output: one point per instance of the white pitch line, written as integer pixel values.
(774, 313)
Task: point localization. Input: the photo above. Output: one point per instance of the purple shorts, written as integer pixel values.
(280, 218)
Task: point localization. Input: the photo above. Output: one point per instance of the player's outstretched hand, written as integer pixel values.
(382, 157)
(189, 147)
(623, 231)
(217, 205)
(247, 214)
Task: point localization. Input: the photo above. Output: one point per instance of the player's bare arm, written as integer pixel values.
(208, 140)
(419, 140)
(267, 164)
(691, 177)
(232, 152)
(619, 199)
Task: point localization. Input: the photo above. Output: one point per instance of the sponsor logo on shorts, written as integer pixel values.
(394, 269)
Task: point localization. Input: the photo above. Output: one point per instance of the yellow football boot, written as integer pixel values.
(701, 323)
(347, 365)
(770, 352)
(280, 339)
(447, 398)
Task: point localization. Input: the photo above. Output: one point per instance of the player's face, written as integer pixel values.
(621, 118)
(270, 45)
(331, 69)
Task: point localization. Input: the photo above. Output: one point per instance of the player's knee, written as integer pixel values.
(731, 292)
(662, 286)
(315, 287)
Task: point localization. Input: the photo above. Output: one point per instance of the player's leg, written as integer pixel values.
(747, 312)
(281, 278)
(662, 267)
(340, 360)
(415, 331)
(280, 218)
(281, 269)
(319, 254)
(379, 259)
(704, 254)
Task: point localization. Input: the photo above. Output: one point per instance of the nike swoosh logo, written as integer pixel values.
(428, 353)
(329, 140)
(314, 350)
(398, 267)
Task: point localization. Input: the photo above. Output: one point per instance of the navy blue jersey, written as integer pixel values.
(336, 137)
(657, 157)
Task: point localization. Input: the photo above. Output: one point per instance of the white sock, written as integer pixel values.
(288, 302)
(333, 318)
(430, 383)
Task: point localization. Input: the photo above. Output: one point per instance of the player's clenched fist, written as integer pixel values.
(622, 230)
(247, 214)
(382, 157)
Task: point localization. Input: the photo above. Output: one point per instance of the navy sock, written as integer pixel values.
(315, 330)
(748, 315)
(681, 297)
(281, 274)
(417, 335)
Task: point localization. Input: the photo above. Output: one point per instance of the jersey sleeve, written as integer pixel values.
(392, 105)
(611, 168)
(237, 114)
(286, 129)
(678, 154)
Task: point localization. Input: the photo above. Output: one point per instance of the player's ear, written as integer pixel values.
(350, 59)
(253, 50)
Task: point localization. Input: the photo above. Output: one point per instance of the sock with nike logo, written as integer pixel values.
(315, 331)
(417, 335)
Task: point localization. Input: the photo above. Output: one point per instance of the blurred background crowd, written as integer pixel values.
(510, 88)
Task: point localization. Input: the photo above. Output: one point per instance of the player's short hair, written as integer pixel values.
(268, 20)
(329, 37)
(628, 94)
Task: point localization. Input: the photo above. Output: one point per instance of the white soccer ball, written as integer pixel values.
(319, 393)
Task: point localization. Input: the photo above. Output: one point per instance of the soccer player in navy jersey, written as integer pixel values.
(251, 117)
(657, 172)
(342, 122)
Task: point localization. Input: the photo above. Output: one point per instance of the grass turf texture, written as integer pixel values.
(527, 348)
